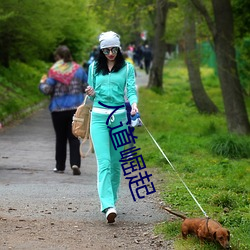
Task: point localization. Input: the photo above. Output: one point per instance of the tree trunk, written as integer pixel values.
(235, 109)
(201, 99)
(159, 47)
(223, 38)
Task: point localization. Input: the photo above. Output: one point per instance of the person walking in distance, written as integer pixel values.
(66, 83)
(147, 54)
(108, 77)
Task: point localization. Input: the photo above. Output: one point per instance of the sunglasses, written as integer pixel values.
(106, 51)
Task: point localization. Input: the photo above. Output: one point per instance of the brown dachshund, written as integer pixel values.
(204, 229)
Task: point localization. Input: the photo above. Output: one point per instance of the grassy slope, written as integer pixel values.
(19, 88)
(220, 184)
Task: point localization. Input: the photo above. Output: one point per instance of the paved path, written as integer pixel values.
(141, 78)
(29, 189)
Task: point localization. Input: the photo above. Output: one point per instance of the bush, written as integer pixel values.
(224, 200)
(231, 146)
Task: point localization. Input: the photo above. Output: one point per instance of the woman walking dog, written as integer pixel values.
(109, 76)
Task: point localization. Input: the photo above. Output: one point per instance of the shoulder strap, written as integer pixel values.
(126, 83)
(85, 99)
(90, 149)
(93, 72)
(127, 74)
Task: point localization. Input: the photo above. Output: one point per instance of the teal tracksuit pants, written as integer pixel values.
(108, 165)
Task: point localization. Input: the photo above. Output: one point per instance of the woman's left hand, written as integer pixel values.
(43, 79)
(90, 91)
(134, 109)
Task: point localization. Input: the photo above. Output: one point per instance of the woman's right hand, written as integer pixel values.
(90, 91)
(134, 109)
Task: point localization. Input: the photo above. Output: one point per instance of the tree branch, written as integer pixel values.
(202, 9)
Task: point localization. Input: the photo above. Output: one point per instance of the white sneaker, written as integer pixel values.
(111, 214)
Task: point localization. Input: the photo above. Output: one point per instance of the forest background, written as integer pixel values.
(190, 31)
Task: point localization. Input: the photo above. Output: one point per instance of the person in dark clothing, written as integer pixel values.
(138, 55)
(93, 55)
(147, 54)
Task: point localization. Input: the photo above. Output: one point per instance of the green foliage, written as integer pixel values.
(243, 59)
(231, 146)
(175, 25)
(128, 18)
(241, 17)
(175, 28)
(29, 33)
(224, 200)
(19, 87)
(219, 183)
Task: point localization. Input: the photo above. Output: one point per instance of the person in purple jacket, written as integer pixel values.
(65, 83)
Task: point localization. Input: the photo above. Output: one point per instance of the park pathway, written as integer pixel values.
(43, 210)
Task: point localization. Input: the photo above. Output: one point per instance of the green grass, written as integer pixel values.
(19, 88)
(214, 164)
